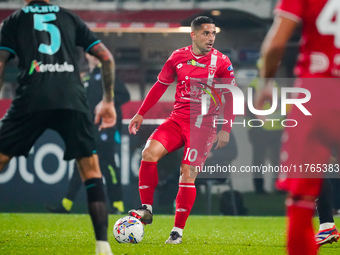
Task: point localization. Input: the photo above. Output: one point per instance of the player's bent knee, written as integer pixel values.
(153, 151)
(150, 154)
(188, 174)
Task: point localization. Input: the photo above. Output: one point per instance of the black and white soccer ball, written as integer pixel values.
(128, 230)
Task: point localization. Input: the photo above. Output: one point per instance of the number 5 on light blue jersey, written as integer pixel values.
(40, 24)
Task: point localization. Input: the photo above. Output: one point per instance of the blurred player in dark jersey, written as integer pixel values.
(45, 38)
(107, 142)
(316, 135)
(194, 67)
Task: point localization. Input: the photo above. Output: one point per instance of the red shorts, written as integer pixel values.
(175, 133)
(310, 143)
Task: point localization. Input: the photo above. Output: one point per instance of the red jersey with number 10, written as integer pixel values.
(320, 42)
(195, 76)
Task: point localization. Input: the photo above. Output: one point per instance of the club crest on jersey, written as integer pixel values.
(212, 69)
(195, 63)
(194, 90)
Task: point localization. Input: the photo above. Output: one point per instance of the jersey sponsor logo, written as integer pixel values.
(144, 187)
(230, 68)
(212, 69)
(51, 68)
(195, 63)
(34, 66)
(179, 66)
(195, 79)
(41, 9)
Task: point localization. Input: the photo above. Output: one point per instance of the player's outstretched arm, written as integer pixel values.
(4, 56)
(222, 138)
(135, 123)
(105, 110)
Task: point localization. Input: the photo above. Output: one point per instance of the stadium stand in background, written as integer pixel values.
(261, 8)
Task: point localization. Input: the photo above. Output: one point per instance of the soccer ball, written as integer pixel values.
(128, 230)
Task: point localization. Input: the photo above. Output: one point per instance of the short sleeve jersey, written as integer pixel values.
(320, 42)
(195, 76)
(45, 38)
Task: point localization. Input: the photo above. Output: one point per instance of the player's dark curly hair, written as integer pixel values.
(198, 21)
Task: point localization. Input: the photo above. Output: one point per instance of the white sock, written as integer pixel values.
(103, 247)
(179, 230)
(326, 225)
(149, 207)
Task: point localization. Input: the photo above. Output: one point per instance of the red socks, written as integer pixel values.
(184, 202)
(148, 180)
(300, 228)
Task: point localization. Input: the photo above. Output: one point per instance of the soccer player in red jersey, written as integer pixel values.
(195, 67)
(311, 141)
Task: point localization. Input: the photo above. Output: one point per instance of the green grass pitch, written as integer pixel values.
(72, 234)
